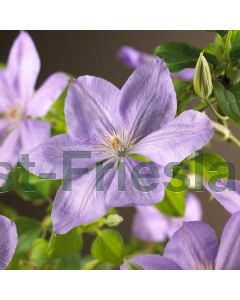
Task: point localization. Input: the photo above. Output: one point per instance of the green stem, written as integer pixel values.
(223, 118)
(234, 139)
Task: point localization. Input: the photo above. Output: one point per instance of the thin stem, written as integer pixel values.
(234, 139)
(223, 118)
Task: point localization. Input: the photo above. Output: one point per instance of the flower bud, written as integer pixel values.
(113, 220)
(202, 78)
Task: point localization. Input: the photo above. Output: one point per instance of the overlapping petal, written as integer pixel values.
(177, 139)
(23, 66)
(228, 257)
(6, 93)
(8, 241)
(4, 125)
(47, 94)
(133, 190)
(91, 108)
(153, 262)
(10, 150)
(194, 246)
(33, 133)
(148, 99)
(227, 194)
(54, 154)
(82, 204)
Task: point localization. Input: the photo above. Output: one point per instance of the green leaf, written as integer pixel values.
(185, 93)
(235, 89)
(8, 211)
(108, 246)
(235, 51)
(227, 102)
(33, 188)
(39, 253)
(138, 157)
(69, 262)
(66, 244)
(173, 203)
(179, 56)
(28, 231)
(220, 32)
(56, 115)
(2, 65)
(209, 165)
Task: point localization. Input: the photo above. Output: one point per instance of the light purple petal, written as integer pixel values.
(186, 74)
(8, 241)
(33, 133)
(148, 99)
(193, 209)
(153, 262)
(193, 246)
(82, 205)
(149, 224)
(133, 58)
(23, 66)
(228, 257)
(47, 94)
(228, 198)
(178, 139)
(4, 125)
(10, 151)
(91, 108)
(6, 95)
(49, 156)
(193, 212)
(132, 194)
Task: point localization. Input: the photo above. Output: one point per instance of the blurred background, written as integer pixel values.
(94, 53)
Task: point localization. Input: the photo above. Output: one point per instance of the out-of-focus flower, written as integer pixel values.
(151, 225)
(202, 79)
(8, 241)
(133, 58)
(195, 247)
(115, 125)
(19, 103)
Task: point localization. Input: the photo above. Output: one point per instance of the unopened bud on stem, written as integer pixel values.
(202, 78)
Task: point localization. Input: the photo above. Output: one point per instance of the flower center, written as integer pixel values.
(14, 114)
(115, 144)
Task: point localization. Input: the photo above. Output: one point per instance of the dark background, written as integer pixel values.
(94, 53)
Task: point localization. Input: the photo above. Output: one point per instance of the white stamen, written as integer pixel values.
(115, 143)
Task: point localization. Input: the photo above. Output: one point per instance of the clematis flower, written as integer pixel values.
(227, 193)
(151, 225)
(114, 125)
(20, 104)
(133, 58)
(195, 247)
(8, 241)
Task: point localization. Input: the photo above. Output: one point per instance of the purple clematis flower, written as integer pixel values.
(195, 247)
(227, 193)
(20, 104)
(8, 241)
(133, 58)
(151, 225)
(115, 125)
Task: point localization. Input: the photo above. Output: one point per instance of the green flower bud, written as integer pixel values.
(202, 78)
(113, 220)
